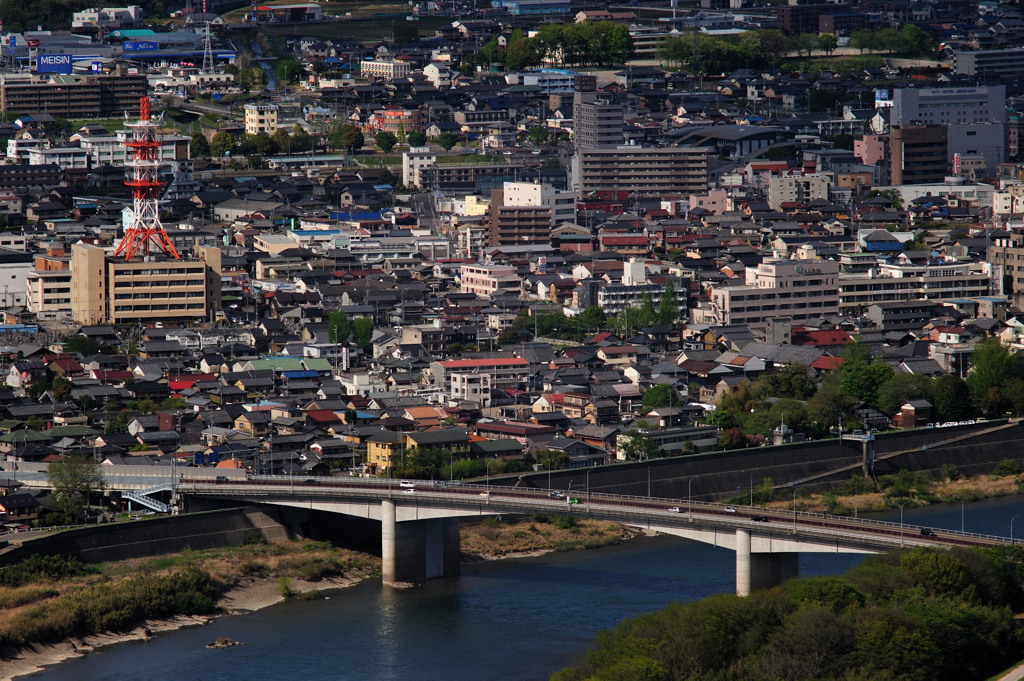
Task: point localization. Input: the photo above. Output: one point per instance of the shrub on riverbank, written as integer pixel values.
(111, 606)
(538, 533)
(921, 615)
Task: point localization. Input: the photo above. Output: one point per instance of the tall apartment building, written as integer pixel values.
(918, 154)
(488, 281)
(75, 96)
(975, 118)
(261, 118)
(798, 188)
(784, 288)
(113, 290)
(1007, 258)
(644, 172)
(516, 225)
(597, 120)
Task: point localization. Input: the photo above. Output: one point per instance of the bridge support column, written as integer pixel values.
(417, 549)
(755, 571)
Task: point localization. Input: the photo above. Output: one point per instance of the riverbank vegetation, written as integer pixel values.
(46, 599)
(494, 538)
(921, 615)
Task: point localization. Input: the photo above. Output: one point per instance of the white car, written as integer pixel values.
(408, 484)
(674, 509)
(730, 509)
(409, 491)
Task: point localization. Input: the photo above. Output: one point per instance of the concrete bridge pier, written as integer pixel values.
(414, 550)
(756, 571)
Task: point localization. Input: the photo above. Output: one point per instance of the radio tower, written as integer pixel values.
(143, 232)
(208, 64)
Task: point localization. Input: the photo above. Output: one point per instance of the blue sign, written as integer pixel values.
(14, 42)
(53, 63)
(96, 66)
(136, 46)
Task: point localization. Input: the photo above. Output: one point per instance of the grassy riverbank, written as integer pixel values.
(55, 608)
(859, 495)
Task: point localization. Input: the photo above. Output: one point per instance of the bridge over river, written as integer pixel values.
(420, 521)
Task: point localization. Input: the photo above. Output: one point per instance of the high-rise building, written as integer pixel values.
(796, 289)
(597, 120)
(644, 171)
(260, 118)
(73, 96)
(918, 154)
(975, 119)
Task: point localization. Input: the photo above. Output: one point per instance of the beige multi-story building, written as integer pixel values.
(261, 118)
(783, 288)
(49, 284)
(113, 290)
(643, 171)
(895, 282)
(798, 188)
(561, 204)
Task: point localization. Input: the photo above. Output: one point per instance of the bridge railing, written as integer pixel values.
(647, 506)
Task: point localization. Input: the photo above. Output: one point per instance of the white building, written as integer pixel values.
(261, 118)
(414, 163)
(790, 188)
(108, 17)
(68, 158)
(561, 204)
(384, 68)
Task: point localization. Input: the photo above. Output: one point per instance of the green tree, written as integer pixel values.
(222, 144)
(663, 395)
(521, 54)
(405, 32)
(73, 480)
(792, 380)
(990, 365)
(552, 459)
(863, 39)
(830, 407)
(804, 44)
(827, 43)
(668, 306)
(288, 70)
(901, 388)
(416, 138)
(592, 319)
(83, 345)
(537, 135)
(386, 141)
(638, 447)
(362, 333)
(915, 41)
(199, 147)
(860, 376)
(339, 329)
(347, 136)
(447, 140)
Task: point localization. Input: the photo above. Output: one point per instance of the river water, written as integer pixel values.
(511, 620)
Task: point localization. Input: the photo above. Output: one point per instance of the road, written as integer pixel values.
(623, 508)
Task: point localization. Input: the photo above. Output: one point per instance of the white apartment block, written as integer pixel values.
(561, 204)
(892, 282)
(68, 158)
(118, 17)
(414, 162)
(384, 68)
(49, 293)
(798, 188)
(784, 288)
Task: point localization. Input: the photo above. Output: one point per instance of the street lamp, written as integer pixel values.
(689, 497)
(751, 490)
(794, 509)
(487, 470)
(1011, 527)
(451, 465)
(961, 514)
(901, 505)
(588, 486)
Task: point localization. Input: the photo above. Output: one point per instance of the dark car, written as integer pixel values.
(220, 479)
(311, 481)
(925, 532)
(760, 519)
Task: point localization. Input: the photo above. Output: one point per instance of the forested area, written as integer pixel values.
(817, 406)
(921, 615)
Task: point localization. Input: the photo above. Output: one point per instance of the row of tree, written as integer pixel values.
(769, 47)
(921, 615)
(599, 43)
(227, 144)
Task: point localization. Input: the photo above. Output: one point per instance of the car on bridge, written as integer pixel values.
(730, 509)
(407, 483)
(761, 519)
(674, 509)
(573, 500)
(926, 532)
(556, 495)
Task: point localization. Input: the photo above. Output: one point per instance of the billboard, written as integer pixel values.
(53, 63)
(135, 46)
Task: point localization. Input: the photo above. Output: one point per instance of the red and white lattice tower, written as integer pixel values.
(143, 233)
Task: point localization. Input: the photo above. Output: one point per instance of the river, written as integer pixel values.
(511, 620)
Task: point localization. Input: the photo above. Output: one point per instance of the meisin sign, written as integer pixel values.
(53, 63)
